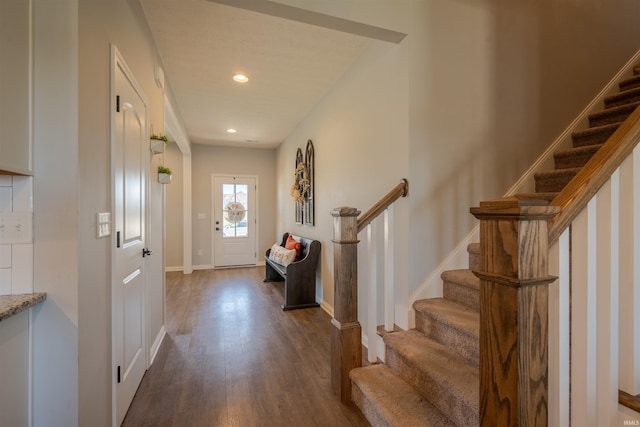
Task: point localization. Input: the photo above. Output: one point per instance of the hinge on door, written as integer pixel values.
(118, 374)
(117, 239)
(117, 103)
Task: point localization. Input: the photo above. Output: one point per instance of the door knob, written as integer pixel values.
(146, 252)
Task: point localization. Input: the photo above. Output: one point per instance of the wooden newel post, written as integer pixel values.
(514, 279)
(346, 347)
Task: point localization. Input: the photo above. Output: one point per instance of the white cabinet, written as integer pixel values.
(15, 86)
(14, 370)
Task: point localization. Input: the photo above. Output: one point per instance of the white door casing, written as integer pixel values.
(234, 220)
(129, 175)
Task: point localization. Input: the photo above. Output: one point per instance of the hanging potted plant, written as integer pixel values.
(164, 175)
(157, 143)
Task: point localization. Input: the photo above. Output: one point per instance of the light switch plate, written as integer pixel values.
(16, 227)
(103, 224)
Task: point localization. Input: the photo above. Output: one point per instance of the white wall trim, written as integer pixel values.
(174, 128)
(153, 351)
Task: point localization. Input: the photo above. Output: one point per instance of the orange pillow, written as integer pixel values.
(293, 244)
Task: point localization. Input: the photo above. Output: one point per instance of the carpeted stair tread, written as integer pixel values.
(622, 98)
(386, 400)
(575, 157)
(630, 83)
(612, 115)
(448, 381)
(462, 277)
(554, 180)
(594, 135)
(462, 287)
(451, 314)
(450, 324)
(473, 249)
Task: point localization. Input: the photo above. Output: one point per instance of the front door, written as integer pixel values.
(130, 164)
(234, 220)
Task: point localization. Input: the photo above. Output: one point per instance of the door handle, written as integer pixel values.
(146, 252)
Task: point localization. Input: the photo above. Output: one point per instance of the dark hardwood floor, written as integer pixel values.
(233, 358)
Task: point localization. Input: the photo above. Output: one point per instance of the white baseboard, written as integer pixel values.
(326, 307)
(210, 267)
(153, 351)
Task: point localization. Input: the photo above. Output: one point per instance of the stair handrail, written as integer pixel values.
(400, 190)
(346, 332)
(577, 193)
(514, 277)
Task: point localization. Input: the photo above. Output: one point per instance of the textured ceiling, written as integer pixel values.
(291, 65)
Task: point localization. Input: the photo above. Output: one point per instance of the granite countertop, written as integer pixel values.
(11, 305)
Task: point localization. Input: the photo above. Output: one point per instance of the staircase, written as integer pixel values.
(431, 370)
(431, 374)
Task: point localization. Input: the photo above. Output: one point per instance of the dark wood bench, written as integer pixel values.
(299, 276)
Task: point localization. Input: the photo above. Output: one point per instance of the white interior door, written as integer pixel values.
(234, 220)
(130, 164)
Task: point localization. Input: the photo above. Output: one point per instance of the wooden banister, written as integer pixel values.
(575, 196)
(400, 190)
(346, 332)
(514, 283)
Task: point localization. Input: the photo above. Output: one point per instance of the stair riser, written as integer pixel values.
(574, 161)
(630, 84)
(553, 184)
(462, 295)
(622, 98)
(582, 140)
(436, 392)
(474, 261)
(466, 346)
(607, 117)
(367, 408)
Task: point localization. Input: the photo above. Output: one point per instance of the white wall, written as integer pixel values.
(101, 23)
(492, 85)
(488, 87)
(361, 141)
(56, 323)
(209, 160)
(174, 209)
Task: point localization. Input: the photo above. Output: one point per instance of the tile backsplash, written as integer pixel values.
(16, 259)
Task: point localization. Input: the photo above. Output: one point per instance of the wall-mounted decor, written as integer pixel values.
(302, 188)
(308, 205)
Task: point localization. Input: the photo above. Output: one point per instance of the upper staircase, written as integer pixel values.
(431, 373)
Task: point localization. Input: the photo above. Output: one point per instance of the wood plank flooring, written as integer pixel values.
(233, 358)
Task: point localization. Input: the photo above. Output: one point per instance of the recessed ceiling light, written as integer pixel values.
(240, 78)
(231, 131)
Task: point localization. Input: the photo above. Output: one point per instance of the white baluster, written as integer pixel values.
(389, 300)
(372, 292)
(606, 300)
(583, 318)
(629, 316)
